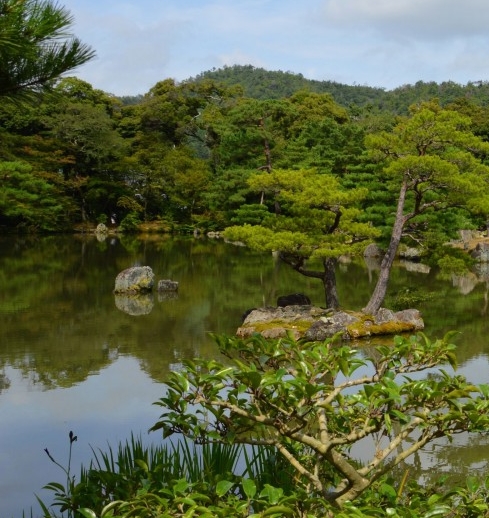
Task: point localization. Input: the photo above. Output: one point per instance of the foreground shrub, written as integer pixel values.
(311, 402)
(269, 432)
(182, 479)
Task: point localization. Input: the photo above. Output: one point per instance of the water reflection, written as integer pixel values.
(106, 408)
(73, 357)
(135, 305)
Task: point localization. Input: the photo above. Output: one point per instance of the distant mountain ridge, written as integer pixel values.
(259, 83)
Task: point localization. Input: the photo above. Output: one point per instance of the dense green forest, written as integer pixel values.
(259, 83)
(184, 156)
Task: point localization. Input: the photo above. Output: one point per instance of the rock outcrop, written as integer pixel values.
(317, 324)
(101, 229)
(135, 280)
(481, 252)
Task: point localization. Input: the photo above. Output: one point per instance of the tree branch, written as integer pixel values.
(313, 478)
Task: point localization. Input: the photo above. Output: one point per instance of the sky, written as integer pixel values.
(379, 43)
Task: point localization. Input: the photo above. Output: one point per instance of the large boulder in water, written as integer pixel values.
(275, 322)
(354, 325)
(137, 279)
(318, 324)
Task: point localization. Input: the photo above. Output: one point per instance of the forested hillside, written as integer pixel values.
(259, 83)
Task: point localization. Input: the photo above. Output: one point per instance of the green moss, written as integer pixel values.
(367, 327)
(299, 325)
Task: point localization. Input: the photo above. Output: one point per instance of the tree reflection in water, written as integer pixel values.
(72, 358)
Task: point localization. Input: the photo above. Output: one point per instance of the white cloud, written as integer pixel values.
(413, 19)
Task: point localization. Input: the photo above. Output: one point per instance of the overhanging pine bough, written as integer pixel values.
(36, 47)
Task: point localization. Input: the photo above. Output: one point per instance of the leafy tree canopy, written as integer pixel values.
(314, 219)
(29, 201)
(259, 83)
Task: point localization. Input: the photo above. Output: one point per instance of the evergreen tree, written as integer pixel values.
(30, 202)
(434, 160)
(36, 47)
(315, 222)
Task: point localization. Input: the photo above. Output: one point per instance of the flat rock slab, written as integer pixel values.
(318, 324)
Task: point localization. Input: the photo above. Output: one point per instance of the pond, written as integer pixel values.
(70, 359)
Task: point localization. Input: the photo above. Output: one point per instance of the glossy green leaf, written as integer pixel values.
(272, 494)
(249, 488)
(223, 486)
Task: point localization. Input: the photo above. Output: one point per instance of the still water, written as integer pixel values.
(70, 359)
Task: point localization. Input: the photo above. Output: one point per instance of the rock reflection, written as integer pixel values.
(135, 305)
(167, 295)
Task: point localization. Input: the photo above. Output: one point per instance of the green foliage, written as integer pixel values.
(177, 480)
(103, 197)
(71, 143)
(87, 134)
(259, 83)
(184, 151)
(168, 181)
(315, 219)
(75, 90)
(409, 499)
(450, 265)
(312, 402)
(27, 201)
(130, 223)
(408, 298)
(300, 407)
(226, 193)
(36, 47)
(252, 214)
(259, 134)
(328, 144)
(435, 163)
(102, 218)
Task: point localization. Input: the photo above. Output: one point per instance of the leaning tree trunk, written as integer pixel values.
(380, 290)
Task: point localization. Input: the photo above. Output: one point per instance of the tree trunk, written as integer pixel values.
(327, 276)
(380, 290)
(329, 282)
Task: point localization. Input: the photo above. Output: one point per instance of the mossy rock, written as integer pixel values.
(368, 327)
(317, 324)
